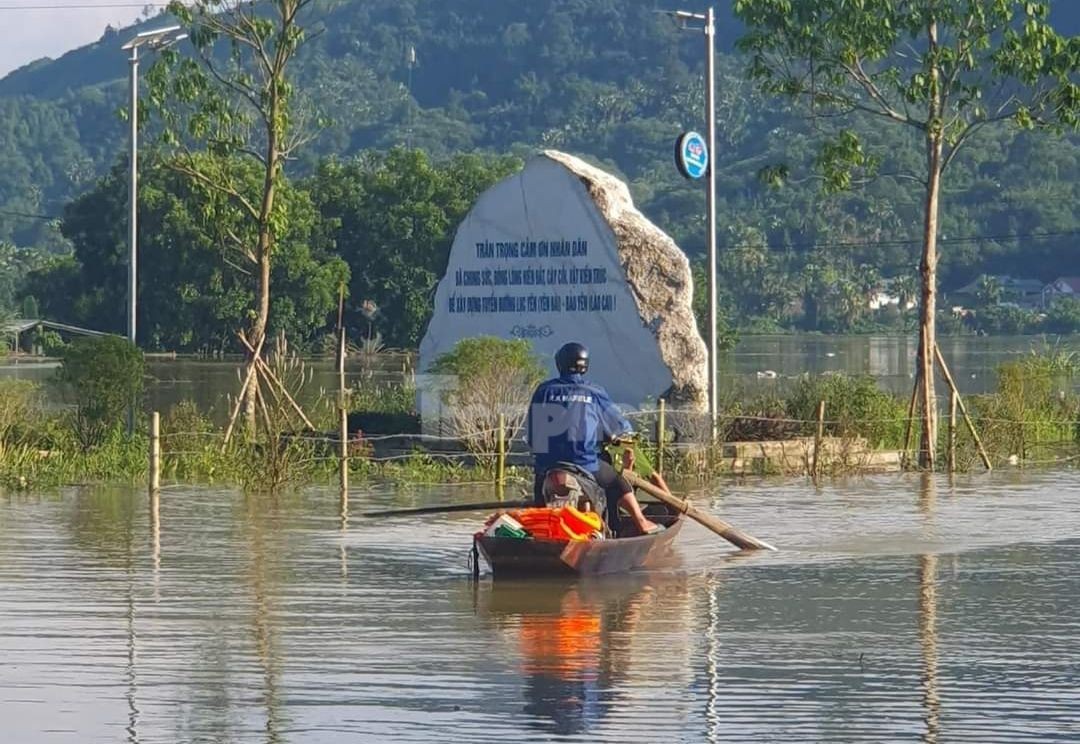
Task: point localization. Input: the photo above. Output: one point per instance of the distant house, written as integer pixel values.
(1020, 292)
(16, 331)
(887, 295)
(1066, 286)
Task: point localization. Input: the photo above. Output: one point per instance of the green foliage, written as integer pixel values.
(1005, 319)
(103, 375)
(42, 449)
(615, 82)
(18, 399)
(15, 265)
(115, 459)
(854, 406)
(493, 377)
(1033, 405)
(1063, 316)
(473, 360)
(190, 296)
(49, 342)
(392, 218)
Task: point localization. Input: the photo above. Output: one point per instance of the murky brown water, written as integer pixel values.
(897, 610)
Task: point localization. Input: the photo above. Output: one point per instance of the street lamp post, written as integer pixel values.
(708, 27)
(153, 40)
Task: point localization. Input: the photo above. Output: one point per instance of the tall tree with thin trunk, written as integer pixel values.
(945, 69)
(230, 101)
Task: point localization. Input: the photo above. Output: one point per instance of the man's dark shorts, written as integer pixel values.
(615, 487)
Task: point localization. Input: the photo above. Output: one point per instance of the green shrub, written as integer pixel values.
(18, 407)
(1032, 405)
(494, 376)
(103, 376)
(50, 343)
(854, 406)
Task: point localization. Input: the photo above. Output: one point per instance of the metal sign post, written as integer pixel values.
(694, 156)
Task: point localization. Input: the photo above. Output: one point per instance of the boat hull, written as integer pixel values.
(507, 556)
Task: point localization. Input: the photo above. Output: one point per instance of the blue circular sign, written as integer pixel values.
(691, 155)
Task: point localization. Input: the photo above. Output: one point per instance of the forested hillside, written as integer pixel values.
(609, 79)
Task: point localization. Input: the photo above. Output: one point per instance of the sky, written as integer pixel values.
(32, 29)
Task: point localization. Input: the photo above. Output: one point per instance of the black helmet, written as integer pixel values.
(572, 358)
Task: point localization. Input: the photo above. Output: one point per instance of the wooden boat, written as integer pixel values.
(508, 556)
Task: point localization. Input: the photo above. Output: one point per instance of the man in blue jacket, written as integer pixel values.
(569, 421)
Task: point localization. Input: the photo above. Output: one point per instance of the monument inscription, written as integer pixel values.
(538, 258)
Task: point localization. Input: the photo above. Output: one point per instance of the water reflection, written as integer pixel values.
(857, 631)
(928, 613)
(928, 640)
(343, 518)
(263, 538)
(575, 644)
(155, 542)
(129, 618)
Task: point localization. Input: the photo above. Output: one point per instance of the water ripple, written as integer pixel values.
(899, 609)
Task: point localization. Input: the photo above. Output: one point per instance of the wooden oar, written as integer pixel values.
(450, 508)
(731, 534)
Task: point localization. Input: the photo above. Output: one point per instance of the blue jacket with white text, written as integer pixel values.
(569, 420)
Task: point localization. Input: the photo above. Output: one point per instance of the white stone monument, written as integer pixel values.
(559, 253)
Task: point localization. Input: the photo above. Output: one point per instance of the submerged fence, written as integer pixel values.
(675, 441)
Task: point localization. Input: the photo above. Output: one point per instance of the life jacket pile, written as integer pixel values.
(561, 523)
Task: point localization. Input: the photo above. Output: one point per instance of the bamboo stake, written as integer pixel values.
(929, 412)
(963, 409)
(661, 436)
(500, 464)
(344, 453)
(819, 436)
(281, 388)
(341, 344)
(243, 388)
(952, 431)
(910, 418)
(272, 378)
(155, 454)
(343, 431)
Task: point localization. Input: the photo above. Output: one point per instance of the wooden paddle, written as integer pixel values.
(734, 536)
(451, 508)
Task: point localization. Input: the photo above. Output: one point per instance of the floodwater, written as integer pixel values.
(899, 609)
(757, 363)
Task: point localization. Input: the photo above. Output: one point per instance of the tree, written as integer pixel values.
(236, 97)
(752, 277)
(989, 290)
(906, 289)
(392, 217)
(104, 375)
(494, 379)
(943, 69)
(191, 299)
(1063, 315)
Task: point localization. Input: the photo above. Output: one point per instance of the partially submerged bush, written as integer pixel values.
(103, 375)
(493, 376)
(18, 406)
(765, 418)
(854, 406)
(1033, 405)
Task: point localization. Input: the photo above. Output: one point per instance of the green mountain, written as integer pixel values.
(609, 79)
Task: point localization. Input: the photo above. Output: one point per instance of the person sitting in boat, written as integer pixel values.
(569, 420)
